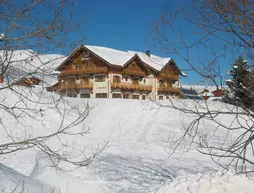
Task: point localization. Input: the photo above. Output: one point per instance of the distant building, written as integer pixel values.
(28, 81)
(217, 92)
(99, 72)
(190, 93)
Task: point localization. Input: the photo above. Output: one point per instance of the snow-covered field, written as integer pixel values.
(136, 159)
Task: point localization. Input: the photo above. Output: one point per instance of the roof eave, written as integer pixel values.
(180, 72)
(58, 68)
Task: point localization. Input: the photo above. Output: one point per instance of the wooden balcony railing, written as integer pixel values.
(168, 76)
(129, 86)
(130, 72)
(76, 86)
(80, 71)
(168, 90)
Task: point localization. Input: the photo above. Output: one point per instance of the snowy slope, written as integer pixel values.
(139, 138)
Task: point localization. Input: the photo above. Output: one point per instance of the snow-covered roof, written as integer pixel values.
(120, 58)
(27, 63)
(30, 61)
(114, 57)
(153, 61)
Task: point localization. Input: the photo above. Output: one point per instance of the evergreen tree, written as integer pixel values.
(239, 85)
(239, 71)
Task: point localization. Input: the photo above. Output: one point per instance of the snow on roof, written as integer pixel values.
(155, 62)
(120, 58)
(30, 61)
(115, 57)
(27, 63)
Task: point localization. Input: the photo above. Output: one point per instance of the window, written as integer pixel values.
(126, 78)
(84, 95)
(160, 98)
(162, 84)
(72, 95)
(85, 55)
(143, 97)
(144, 80)
(100, 78)
(135, 96)
(85, 63)
(126, 96)
(101, 95)
(167, 97)
(71, 81)
(115, 95)
(74, 66)
(116, 79)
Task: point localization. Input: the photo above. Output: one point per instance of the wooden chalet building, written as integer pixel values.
(99, 72)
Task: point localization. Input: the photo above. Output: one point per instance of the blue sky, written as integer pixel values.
(120, 24)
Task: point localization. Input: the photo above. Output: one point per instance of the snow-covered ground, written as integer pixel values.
(136, 159)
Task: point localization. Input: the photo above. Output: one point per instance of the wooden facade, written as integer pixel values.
(85, 73)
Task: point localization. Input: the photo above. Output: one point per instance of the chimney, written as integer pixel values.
(148, 53)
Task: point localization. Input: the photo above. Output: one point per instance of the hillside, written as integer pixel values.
(139, 137)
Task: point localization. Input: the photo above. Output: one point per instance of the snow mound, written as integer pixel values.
(210, 183)
(15, 182)
(47, 171)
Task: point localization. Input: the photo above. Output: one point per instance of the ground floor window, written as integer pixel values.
(167, 97)
(101, 95)
(72, 95)
(143, 97)
(126, 96)
(135, 96)
(115, 95)
(84, 95)
(160, 98)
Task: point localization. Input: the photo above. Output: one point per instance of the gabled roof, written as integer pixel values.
(204, 91)
(153, 61)
(121, 58)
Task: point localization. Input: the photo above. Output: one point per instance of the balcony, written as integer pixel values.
(133, 87)
(169, 76)
(135, 73)
(168, 90)
(81, 71)
(84, 85)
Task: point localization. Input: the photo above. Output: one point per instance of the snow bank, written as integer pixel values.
(210, 183)
(12, 181)
(140, 137)
(47, 171)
